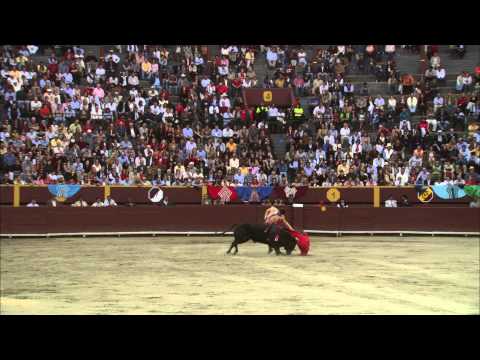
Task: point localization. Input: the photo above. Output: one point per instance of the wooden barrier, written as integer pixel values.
(45, 220)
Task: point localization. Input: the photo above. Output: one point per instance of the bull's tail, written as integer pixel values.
(231, 228)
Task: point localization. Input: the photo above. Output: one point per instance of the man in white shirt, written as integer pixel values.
(96, 113)
(467, 82)
(318, 111)
(234, 162)
(35, 105)
(356, 148)
(441, 75)
(392, 104)
(213, 111)
(224, 102)
(402, 177)
(387, 152)
(390, 51)
(431, 120)
(344, 132)
(133, 80)
(227, 132)
(412, 102)
(378, 162)
(100, 73)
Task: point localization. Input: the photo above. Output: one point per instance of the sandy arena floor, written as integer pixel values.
(180, 275)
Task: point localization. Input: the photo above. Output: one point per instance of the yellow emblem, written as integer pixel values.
(61, 195)
(426, 195)
(267, 96)
(333, 195)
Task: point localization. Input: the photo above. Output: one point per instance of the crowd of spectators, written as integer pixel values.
(156, 115)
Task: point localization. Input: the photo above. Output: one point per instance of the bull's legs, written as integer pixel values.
(239, 239)
(233, 245)
(270, 249)
(277, 250)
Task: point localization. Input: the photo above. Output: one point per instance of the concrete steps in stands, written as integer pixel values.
(279, 145)
(407, 63)
(455, 66)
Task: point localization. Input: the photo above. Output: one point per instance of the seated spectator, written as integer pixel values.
(32, 203)
(404, 202)
(80, 203)
(391, 202)
(118, 120)
(441, 75)
(52, 203)
(272, 57)
(109, 202)
(98, 203)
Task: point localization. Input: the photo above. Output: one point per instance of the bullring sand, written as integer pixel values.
(192, 275)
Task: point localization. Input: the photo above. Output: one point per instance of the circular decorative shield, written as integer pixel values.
(267, 96)
(333, 195)
(425, 195)
(155, 194)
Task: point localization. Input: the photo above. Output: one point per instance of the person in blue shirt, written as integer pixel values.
(76, 104)
(42, 83)
(423, 178)
(201, 153)
(68, 78)
(125, 144)
(9, 160)
(156, 83)
(239, 177)
(68, 90)
(187, 132)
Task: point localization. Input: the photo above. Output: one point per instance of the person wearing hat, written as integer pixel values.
(387, 152)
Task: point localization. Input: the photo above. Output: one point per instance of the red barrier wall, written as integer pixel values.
(23, 220)
(6, 195)
(393, 219)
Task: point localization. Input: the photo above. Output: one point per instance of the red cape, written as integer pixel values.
(303, 241)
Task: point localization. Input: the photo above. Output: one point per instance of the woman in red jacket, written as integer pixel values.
(423, 127)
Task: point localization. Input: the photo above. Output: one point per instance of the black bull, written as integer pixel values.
(256, 232)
